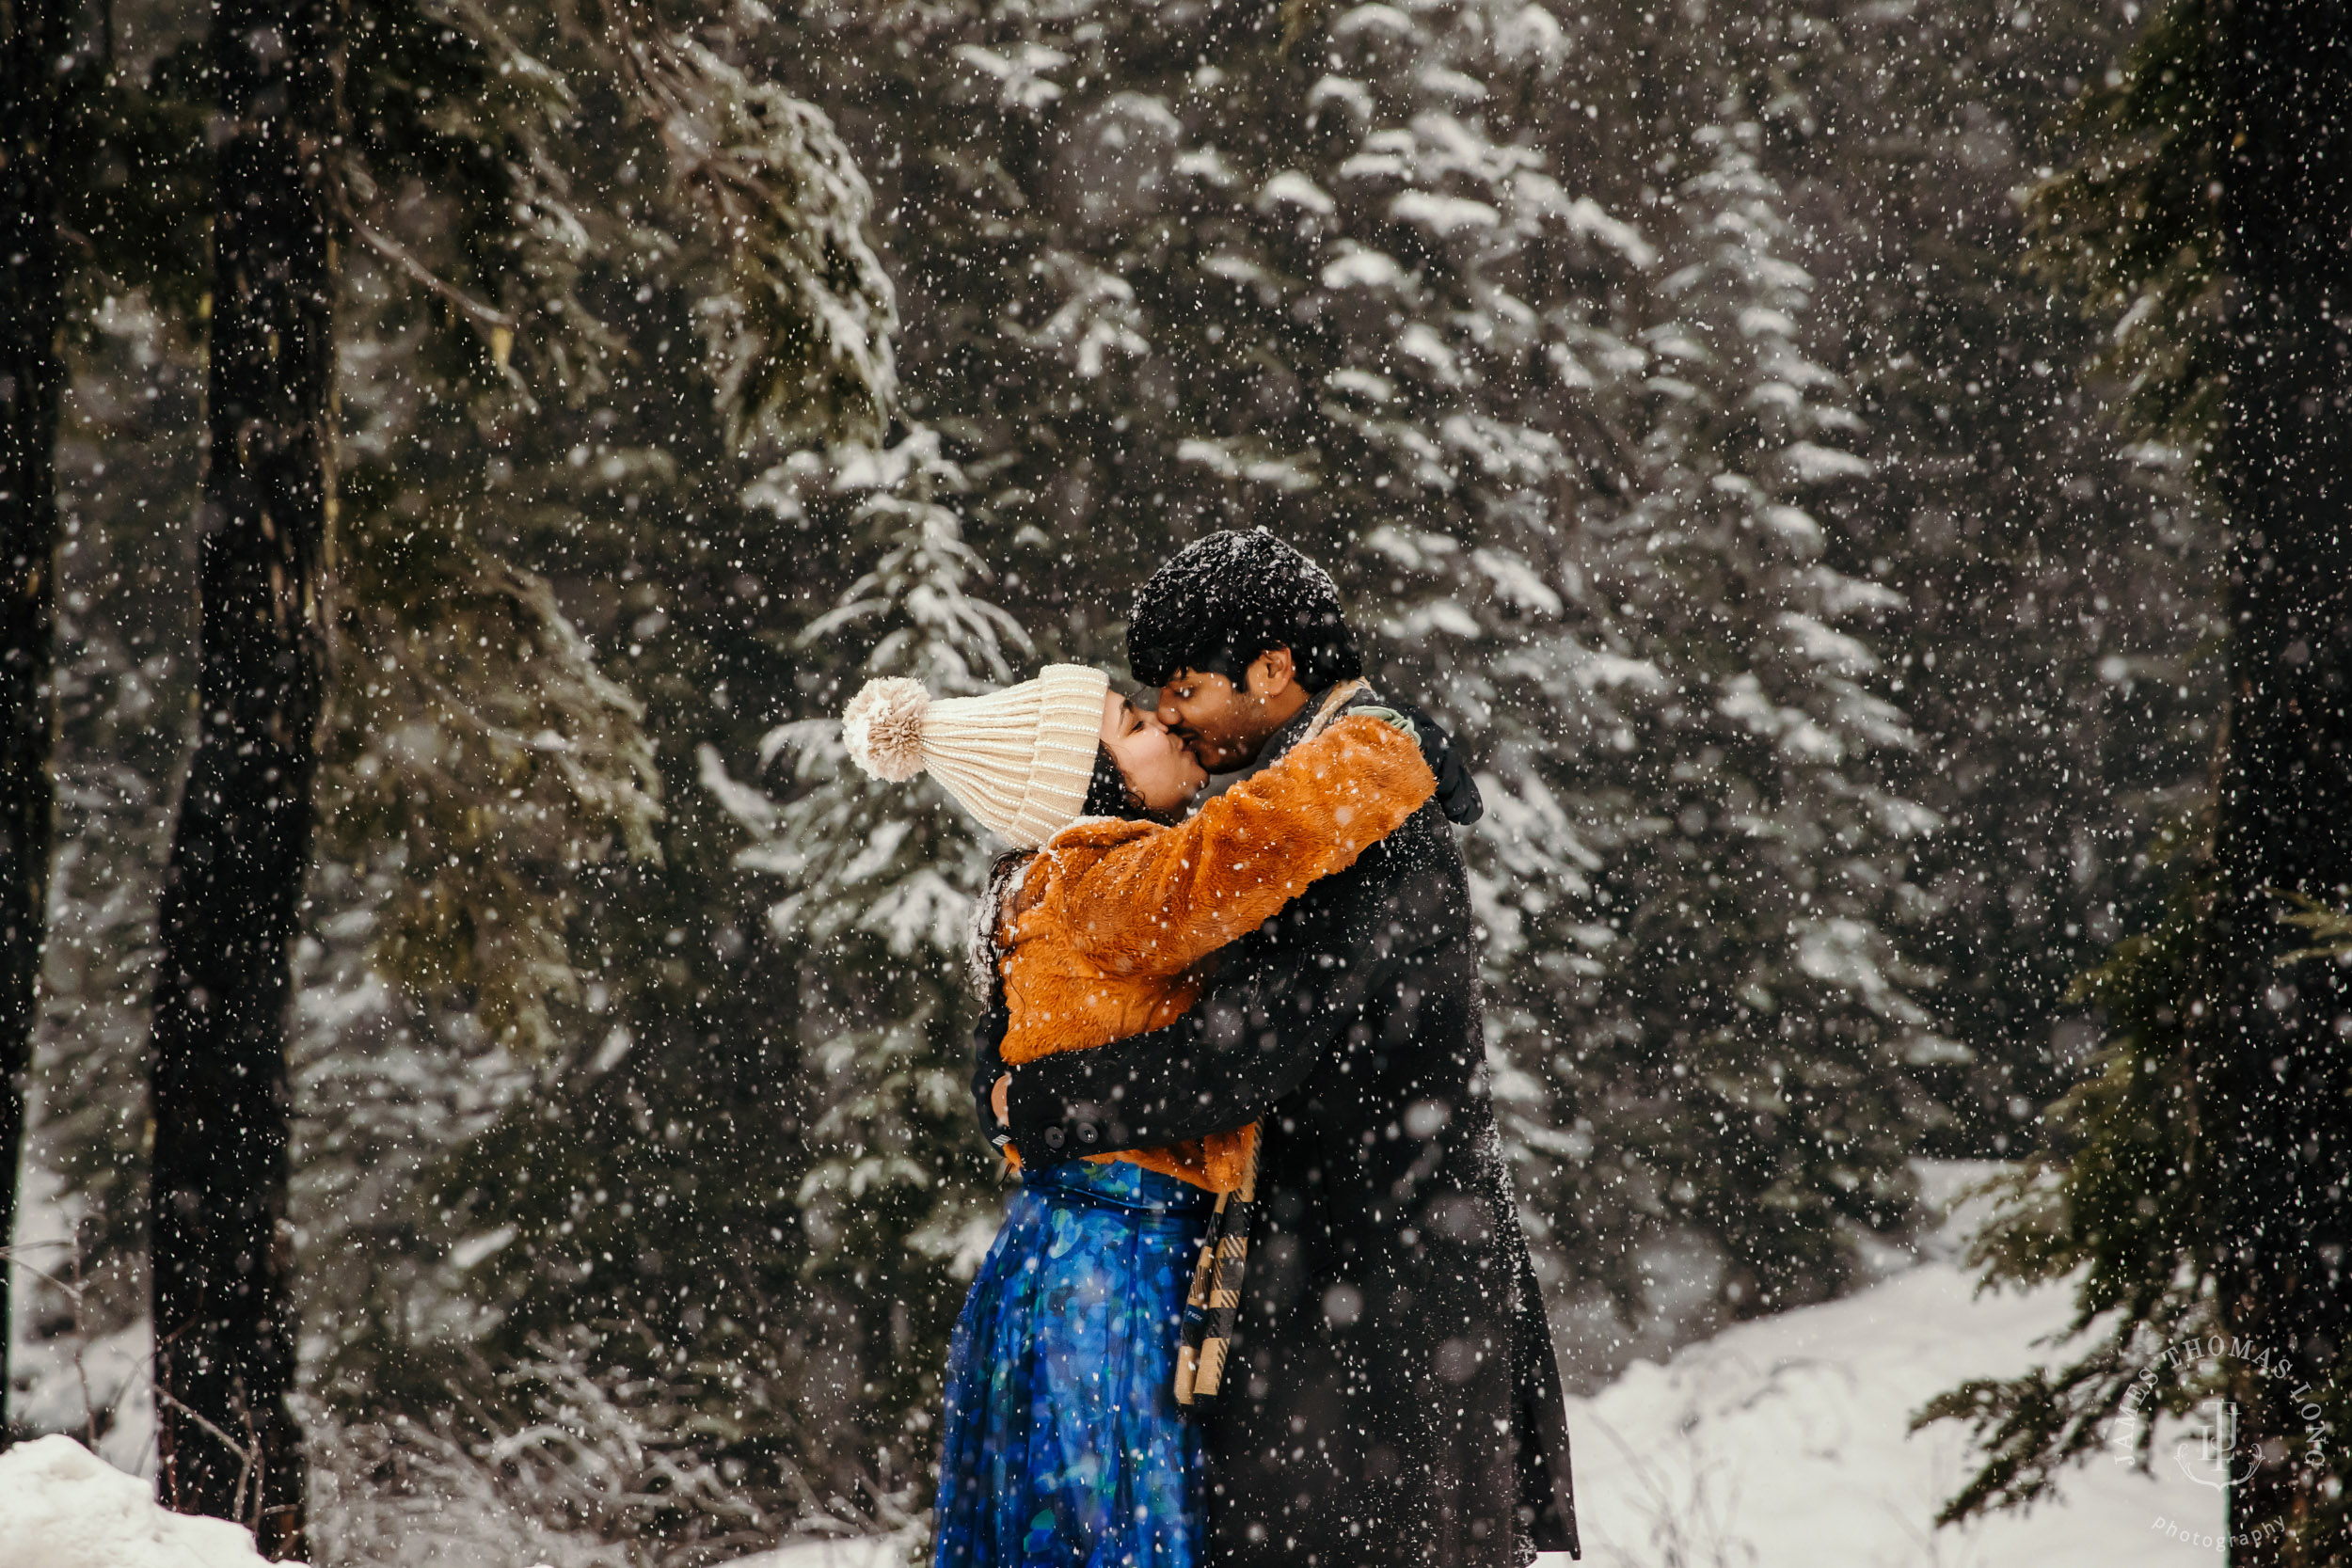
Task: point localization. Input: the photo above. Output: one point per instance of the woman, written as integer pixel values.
(1064, 1447)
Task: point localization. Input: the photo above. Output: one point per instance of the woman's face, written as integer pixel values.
(1154, 761)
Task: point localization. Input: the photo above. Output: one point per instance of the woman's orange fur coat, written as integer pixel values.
(1100, 939)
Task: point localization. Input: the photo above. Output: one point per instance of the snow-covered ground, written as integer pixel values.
(63, 1381)
(1782, 1443)
(1777, 1444)
(63, 1506)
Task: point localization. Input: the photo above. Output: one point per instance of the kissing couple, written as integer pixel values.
(1261, 1297)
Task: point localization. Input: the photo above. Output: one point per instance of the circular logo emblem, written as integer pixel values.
(2211, 1452)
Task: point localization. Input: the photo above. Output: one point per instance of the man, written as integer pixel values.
(1391, 1395)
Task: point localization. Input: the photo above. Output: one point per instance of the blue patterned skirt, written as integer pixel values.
(1064, 1447)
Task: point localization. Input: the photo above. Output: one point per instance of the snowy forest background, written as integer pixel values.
(1660, 379)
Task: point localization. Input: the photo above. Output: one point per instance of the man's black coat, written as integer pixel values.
(1392, 1396)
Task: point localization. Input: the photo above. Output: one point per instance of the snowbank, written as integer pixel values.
(1782, 1443)
(63, 1506)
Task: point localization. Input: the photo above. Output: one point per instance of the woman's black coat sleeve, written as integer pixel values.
(988, 1063)
(1275, 1009)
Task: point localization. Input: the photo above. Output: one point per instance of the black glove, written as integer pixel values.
(988, 1063)
(1457, 792)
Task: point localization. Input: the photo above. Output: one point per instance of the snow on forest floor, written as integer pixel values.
(63, 1506)
(1776, 1444)
(1783, 1442)
(61, 1377)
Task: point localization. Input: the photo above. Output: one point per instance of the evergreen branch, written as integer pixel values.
(477, 310)
(2133, 230)
(2032, 1427)
(801, 320)
(2330, 925)
(2132, 1212)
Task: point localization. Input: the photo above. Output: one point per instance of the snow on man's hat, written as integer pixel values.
(1019, 759)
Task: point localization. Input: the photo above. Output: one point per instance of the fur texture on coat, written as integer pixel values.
(1101, 936)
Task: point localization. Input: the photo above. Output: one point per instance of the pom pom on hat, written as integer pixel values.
(1019, 758)
(883, 727)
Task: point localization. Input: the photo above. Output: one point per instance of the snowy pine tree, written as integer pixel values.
(1321, 273)
(876, 884)
(126, 619)
(1731, 1063)
(557, 402)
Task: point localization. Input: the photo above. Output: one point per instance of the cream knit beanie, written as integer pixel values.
(1019, 759)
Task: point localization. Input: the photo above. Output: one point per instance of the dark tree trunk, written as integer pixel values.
(2283, 1059)
(225, 1347)
(31, 375)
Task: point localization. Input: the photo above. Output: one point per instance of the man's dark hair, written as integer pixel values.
(1225, 599)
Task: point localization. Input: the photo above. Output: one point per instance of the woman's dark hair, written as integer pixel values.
(1224, 599)
(1109, 794)
(982, 950)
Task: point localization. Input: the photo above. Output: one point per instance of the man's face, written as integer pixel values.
(1223, 725)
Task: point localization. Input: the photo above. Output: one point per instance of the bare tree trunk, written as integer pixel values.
(2285, 821)
(225, 1335)
(31, 376)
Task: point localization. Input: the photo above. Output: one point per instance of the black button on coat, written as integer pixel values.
(1393, 1397)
